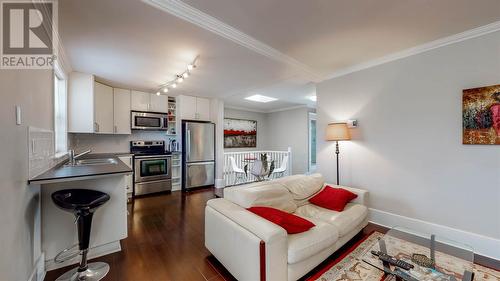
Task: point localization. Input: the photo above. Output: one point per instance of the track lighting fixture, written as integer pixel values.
(178, 78)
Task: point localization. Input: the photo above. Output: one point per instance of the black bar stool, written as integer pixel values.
(82, 203)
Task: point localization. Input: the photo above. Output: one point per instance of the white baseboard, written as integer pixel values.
(38, 273)
(219, 183)
(95, 252)
(482, 245)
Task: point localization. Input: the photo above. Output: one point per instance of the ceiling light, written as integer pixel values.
(157, 93)
(313, 98)
(180, 79)
(185, 75)
(190, 66)
(174, 85)
(165, 90)
(260, 98)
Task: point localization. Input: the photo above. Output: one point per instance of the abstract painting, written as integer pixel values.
(481, 115)
(240, 133)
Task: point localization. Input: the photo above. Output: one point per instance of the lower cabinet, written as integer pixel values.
(129, 179)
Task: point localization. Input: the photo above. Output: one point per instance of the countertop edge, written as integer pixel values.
(77, 178)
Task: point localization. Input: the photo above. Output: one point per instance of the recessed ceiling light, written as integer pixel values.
(165, 90)
(260, 98)
(174, 85)
(190, 66)
(185, 75)
(313, 98)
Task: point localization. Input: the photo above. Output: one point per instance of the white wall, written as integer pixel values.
(262, 131)
(408, 148)
(19, 217)
(290, 128)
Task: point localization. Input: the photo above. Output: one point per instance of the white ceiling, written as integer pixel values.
(131, 44)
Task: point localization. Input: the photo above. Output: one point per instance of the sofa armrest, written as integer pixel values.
(250, 247)
(260, 227)
(362, 194)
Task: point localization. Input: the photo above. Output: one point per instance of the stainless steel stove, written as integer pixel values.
(152, 167)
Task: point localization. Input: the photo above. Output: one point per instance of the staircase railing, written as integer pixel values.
(243, 158)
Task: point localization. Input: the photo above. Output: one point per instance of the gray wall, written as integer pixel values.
(290, 129)
(19, 217)
(408, 148)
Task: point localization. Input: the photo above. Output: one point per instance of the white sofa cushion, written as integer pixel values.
(302, 187)
(345, 221)
(269, 194)
(306, 244)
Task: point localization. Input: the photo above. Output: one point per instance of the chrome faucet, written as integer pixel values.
(73, 157)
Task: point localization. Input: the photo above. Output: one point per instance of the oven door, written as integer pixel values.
(152, 168)
(147, 121)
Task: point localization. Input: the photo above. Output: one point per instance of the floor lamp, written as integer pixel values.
(337, 132)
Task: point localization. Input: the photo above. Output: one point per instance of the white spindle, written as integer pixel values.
(239, 157)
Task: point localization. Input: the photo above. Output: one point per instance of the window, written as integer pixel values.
(312, 142)
(60, 112)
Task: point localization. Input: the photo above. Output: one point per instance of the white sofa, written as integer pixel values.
(253, 248)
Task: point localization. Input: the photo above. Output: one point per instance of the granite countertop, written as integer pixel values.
(62, 173)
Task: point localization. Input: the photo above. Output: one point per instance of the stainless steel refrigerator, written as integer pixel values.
(198, 154)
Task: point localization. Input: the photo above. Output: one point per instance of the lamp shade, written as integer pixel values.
(337, 132)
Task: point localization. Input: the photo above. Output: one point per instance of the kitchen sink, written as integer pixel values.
(91, 162)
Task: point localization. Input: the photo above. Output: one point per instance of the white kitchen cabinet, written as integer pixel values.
(158, 103)
(81, 103)
(121, 111)
(193, 108)
(94, 107)
(103, 108)
(129, 179)
(202, 109)
(140, 101)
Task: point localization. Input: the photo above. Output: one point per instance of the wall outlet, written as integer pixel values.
(353, 123)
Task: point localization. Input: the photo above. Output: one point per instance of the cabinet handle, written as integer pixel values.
(96, 127)
(116, 129)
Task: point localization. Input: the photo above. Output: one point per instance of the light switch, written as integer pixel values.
(18, 115)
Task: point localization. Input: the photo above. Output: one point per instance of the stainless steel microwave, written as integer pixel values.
(148, 121)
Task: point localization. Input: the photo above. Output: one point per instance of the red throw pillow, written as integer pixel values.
(290, 222)
(333, 198)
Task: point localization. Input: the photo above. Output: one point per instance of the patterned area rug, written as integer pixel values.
(351, 267)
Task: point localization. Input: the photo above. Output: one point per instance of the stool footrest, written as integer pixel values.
(67, 254)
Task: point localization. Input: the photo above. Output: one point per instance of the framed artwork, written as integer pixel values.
(481, 115)
(239, 133)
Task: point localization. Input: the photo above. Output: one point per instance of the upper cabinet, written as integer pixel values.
(159, 103)
(103, 109)
(142, 101)
(97, 108)
(121, 111)
(81, 103)
(193, 108)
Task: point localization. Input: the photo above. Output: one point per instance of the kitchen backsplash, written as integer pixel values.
(101, 143)
(40, 150)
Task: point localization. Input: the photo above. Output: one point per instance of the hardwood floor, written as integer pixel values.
(166, 242)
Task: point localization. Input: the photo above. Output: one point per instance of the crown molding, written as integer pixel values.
(266, 111)
(459, 37)
(183, 11)
(288, 108)
(243, 108)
